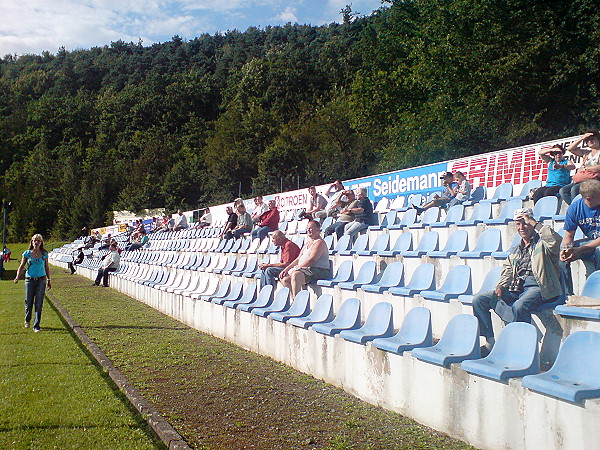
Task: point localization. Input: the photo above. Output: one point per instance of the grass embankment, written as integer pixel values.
(219, 396)
(51, 394)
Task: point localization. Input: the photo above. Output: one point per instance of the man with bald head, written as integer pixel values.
(289, 252)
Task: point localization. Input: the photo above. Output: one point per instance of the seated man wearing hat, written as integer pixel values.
(448, 193)
(530, 277)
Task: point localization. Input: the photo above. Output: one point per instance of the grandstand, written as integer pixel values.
(394, 325)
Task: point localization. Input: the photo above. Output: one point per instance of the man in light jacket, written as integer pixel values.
(530, 277)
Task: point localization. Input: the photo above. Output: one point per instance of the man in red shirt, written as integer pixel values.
(289, 251)
(269, 221)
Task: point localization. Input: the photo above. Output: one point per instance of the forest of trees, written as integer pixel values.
(183, 123)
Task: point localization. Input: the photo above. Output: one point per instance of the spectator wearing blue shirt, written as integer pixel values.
(583, 213)
(559, 171)
(448, 193)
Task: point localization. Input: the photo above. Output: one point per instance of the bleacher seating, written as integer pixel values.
(575, 375)
(197, 265)
(515, 354)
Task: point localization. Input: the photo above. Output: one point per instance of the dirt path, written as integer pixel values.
(219, 396)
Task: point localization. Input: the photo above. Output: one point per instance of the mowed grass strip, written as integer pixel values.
(219, 396)
(52, 395)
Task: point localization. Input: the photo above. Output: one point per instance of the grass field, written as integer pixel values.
(51, 394)
(216, 395)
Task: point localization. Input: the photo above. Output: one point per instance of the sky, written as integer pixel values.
(34, 26)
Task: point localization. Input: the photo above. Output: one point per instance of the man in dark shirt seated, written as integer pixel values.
(289, 251)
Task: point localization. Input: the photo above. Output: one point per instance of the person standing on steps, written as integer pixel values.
(37, 277)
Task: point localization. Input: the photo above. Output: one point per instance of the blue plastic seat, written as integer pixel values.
(490, 241)
(222, 292)
(344, 273)
(408, 218)
(231, 261)
(457, 282)
(300, 308)
(527, 187)
(329, 242)
(423, 279)
(251, 269)
(415, 332)
(393, 276)
(381, 244)
(366, 275)
(591, 287)
(348, 318)
(322, 312)
(248, 297)
(229, 245)
(503, 254)
(235, 293)
(457, 242)
(455, 214)
(503, 192)
(428, 243)
(379, 324)
(506, 212)
(281, 302)
(264, 299)
(477, 194)
(239, 266)
(361, 244)
(326, 222)
(415, 199)
(389, 219)
(575, 376)
(481, 212)
(515, 354)
(432, 215)
(546, 208)
(459, 342)
(489, 284)
(402, 244)
(342, 244)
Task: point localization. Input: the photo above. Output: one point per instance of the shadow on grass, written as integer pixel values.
(9, 275)
(136, 327)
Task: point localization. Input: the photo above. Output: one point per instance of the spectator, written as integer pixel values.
(180, 222)
(77, 260)
(448, 193)
(105, 242)
(317, 203)
(585, 214)
(289, 251)
(335, 204)
(590, 167)
(137, 241)
(110, 263)
(312, 263)
(244, 224)
(559, 171)
(269, 221)
(259, 208)
(231, 221)
(363, 213)
(6, 254)
(345, 216)
(530, 277)
(463, 192)
(37, 277)
(85, 232)
(163, 224)
(205, 220)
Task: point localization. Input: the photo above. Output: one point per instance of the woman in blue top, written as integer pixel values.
(559, 171)
(36, 276)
